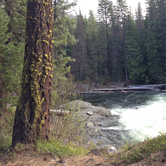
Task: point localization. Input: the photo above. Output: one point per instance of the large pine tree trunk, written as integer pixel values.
(32, 113)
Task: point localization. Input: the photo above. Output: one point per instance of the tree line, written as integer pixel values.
(119, 45)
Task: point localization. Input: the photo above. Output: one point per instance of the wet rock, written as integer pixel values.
(103, 112)
(108, 122)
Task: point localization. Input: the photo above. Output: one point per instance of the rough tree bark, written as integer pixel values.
(32, 112)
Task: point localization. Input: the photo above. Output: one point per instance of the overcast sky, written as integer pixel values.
(86, 5)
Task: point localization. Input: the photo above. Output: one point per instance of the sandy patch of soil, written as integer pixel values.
(34, 159)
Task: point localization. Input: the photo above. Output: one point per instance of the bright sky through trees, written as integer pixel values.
(86, 5)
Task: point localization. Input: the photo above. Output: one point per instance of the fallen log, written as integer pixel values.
(59, 112)
(153, 88)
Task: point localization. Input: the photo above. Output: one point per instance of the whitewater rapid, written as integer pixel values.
(142, 114)
(143, 121)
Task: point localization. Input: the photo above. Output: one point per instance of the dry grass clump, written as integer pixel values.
(68, 127)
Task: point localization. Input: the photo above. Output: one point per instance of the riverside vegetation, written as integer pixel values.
(72, 39)
(67, 135)
(62, 145)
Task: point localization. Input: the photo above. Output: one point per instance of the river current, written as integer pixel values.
(142, 114)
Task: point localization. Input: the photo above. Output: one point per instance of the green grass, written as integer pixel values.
(55, 148)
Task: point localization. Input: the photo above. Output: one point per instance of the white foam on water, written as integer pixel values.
(144, 121)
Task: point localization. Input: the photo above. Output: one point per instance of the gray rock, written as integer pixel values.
(90, 125)
(99, 123)
(109, 122)
(109, 149)
(98, 120)
(93, 132)
(105, 141)
(76, 105)
(85, 107)
(96, 152)
(103, 112)
(89, 113)
(95, 118)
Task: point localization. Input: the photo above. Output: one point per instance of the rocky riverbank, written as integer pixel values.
(98, 121)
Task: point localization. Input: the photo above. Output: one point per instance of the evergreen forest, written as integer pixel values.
(120, 45)
(114, 45)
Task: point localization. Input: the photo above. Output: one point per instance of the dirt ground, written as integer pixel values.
(31, 158)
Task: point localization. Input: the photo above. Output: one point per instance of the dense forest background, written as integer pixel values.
(116, 45)
(121, 46)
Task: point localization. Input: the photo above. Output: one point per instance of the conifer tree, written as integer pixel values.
(79, 52)
(102, 51)
(139, 19)
(63, 41)
(122, 13)
(16, 10)
(92, 46)
(10, 61)
(155, 41)
(62, 38)
(115, 44)
(104, 14)
(133, 50)
(32, 112)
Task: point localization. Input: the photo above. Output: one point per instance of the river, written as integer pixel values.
(142, 114)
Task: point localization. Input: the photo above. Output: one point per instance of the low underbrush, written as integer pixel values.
(142, 150)
(65, 131)
(6, 128)
(68, 126)
(65, 136)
